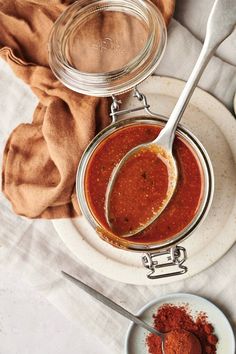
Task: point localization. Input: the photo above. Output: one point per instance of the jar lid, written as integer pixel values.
(106, 47)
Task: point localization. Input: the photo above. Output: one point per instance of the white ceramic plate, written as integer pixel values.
(136, 336)
(215, 126)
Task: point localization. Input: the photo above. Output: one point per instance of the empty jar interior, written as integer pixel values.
(102, 43)
(103, 47)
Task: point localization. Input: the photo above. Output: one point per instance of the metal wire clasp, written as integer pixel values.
(173, 257)
(115, 106)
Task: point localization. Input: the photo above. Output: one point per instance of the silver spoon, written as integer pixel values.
(220, 25)
(114, 306)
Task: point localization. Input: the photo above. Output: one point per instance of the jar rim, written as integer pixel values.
(207, 197)
(108, 83)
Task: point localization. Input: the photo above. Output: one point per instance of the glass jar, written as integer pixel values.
(152, 249)
(104, 48)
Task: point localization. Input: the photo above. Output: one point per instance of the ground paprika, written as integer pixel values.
(170, 317)
(179, 341)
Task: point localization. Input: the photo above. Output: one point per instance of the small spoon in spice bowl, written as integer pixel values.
(221, 23)
(173, 342)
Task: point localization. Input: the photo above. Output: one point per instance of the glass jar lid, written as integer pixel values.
(106, 47)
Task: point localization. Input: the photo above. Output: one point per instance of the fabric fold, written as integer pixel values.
(41, 158)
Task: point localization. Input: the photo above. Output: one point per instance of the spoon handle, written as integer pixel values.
(111, 304)
(220, 24)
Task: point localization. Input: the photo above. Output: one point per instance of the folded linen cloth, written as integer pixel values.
(41, 158)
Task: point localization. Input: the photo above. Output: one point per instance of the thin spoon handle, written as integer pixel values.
(221, 23)
(108, 302)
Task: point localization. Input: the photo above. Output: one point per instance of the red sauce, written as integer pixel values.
(139, 191)
(185, 202)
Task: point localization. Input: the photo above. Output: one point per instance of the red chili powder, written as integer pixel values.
(180, 341)
(170, 317)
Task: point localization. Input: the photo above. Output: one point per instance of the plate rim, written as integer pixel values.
(165, 80)
(177, 295)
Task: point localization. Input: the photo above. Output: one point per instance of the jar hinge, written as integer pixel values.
(173, 257)
(115, 106)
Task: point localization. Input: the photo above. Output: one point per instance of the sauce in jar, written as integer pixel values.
(185, 202)
(139, 191)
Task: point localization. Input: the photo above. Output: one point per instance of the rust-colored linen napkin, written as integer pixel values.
(41, 158)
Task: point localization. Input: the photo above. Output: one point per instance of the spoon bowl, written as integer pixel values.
(156, 209)
(181, 342)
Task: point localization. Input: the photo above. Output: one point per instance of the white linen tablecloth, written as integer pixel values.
(32, 248)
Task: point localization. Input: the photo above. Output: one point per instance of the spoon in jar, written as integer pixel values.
(184, 339)
(221, 23)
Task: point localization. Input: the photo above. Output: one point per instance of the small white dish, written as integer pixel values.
(135, 342)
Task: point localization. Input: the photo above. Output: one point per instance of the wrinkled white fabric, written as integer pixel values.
(33, 249)
(219, 77)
